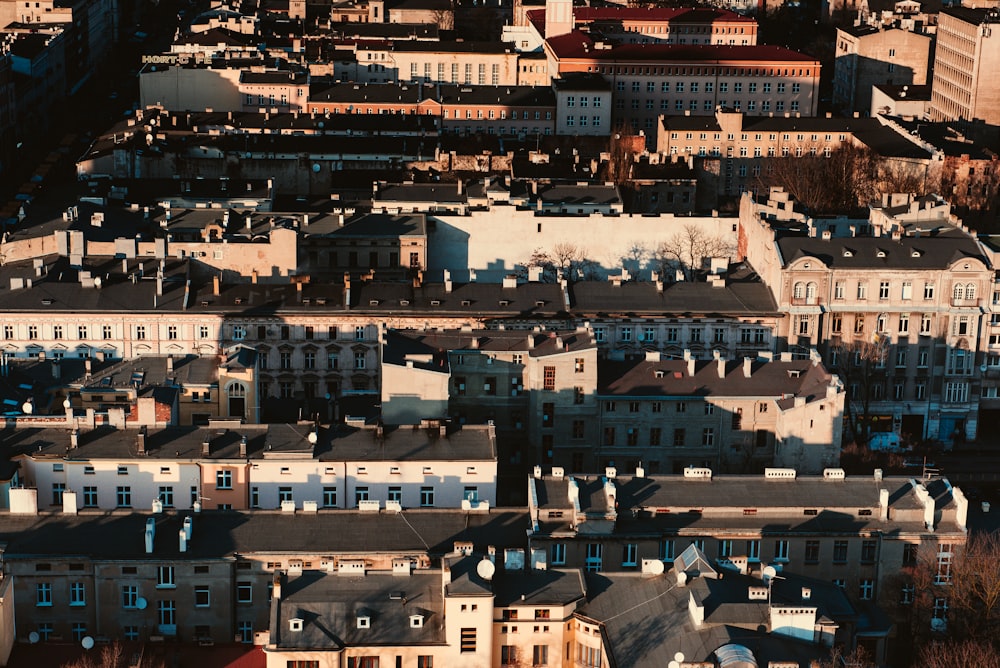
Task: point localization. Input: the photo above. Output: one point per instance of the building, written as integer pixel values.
(649, 80)
(905, 101)
(856, 532)
(872, 56)
(966, 52)
(912, 281)
(671, 414)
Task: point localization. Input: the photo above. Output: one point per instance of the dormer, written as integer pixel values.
(295, 624)
(416, 621)
(847, 252)
(364, 620)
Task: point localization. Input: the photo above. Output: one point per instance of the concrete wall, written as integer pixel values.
(410, 394)
(181, 88)
(495, 242)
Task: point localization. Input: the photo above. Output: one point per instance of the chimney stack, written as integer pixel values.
(141, 442)
(206, 448)
(56, 370)
(181, 540)
(74, 439)
(170, 363)
(215, 285)
(747, 362)
(243, 445)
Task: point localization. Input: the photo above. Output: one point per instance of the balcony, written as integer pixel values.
(966, 303)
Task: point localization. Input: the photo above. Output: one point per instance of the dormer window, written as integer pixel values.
(880, 253)
(373, 302)
(364, 622)
(295, 624)
(416, 621)
(915, 253)
(848, 252)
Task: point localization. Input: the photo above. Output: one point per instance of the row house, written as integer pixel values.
(737, 416)
(457, 109)
(210, 576)
(649, 80)
(516, 380)
(859, 533)
(731, 151)
(229, 466)
(907, 294)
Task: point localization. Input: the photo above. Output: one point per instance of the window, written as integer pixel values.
(578, 395)
(708, 436)
(245, 631)
(130, 596)
(360, 494)
(928, 291)
(166, 613)
(840, 552)
(812, 552)
(89, 497)
(944, 560)
(629, 551)
(359, 333)
(753, 549)
(468, 640)
(578, 365)
(579, 427)
(540, 655)
(910, 552)
(781, 550)
(906, 594)
(284, 494)
(508, 655)
(395, 494)
(558, 553)
(867, 589)
(123, 496)
(166, 496)
(244, 591)
(679, 437)
(359, 360)
(426, 497)
(165, 577)
(868, 548)
(940, 610)
(655, 436)
(223, 479)
(202, 597)
(43, 594)
(862, 290)
(595, 557)
(681, 407)
(329, 497)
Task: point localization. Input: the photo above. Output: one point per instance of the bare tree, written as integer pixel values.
(861, 363)
(111, 656)
(565, 259)
(840, 657)
(688, 249)
(621, 155)
(952, 654)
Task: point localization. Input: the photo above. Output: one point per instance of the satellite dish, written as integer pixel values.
(768, 572)
(33, 637)
(87, 642)
(673, 664)
(141, 603)
(679, 657)
(313, 437)
(316, 167)
(67, 404)
(27, 408)
(486, 569)
(656, 567)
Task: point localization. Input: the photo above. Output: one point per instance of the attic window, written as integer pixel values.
(504, 302)
(416, 621)
(806, 265)
(915, 253)
(295, 624)
(658, 374)
(539, 303)
(880, 253)
(373, 302)
(435, 302)
(238, 301)
(809, 511)
(394, 470)
(321, 301)
(865, 511)
(466, 302)
(794, 373)
(848, 253)
(364, 622)
(404, 302)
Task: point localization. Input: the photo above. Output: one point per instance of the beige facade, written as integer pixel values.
(907, 287)
(967, 52)
(483, 64)
(867, 57)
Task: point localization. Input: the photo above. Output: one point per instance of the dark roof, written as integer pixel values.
(403, 344)
(413, 93)
(579, 45)
(907, 92)
(975, 16)
(938, 250)
(370, 225)
(537, 587)
(411, 443)
(768, 379)
(219, 534)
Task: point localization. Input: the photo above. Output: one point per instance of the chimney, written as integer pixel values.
(150, 534)
(141, 442)
(87, 366)
(243, 445)
(443, 430)
(215, 285)
(56, 370)
(276, 586)
(531, 341)
(170, 363)
(720, 364)
(883, 504)
(690, 362)
(298, 291)
(206, 448)
(747, 362)
(74, 439)
(253, 277)
(181, 540)
(447, 281)
(460, 186)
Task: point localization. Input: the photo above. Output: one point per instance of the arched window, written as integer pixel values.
(958, 292)
(970, 291)
(810, 290)
(799, 291)
(236, 390)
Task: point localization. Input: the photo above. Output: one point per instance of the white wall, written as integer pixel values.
(493, 242)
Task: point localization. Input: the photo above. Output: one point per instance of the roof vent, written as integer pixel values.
(779, 474)
(695, 472)
(833, 474)
(848, 252)
(416, 621)
(295, 624)
(916, 253)
(364, 621)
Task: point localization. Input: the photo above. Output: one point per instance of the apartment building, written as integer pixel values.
(966, 52)
(228, 465)
(855, 532)
(209, 576)
(915, 285)
(743, 415)
(874, 56)
(502, 110)
(442, 62)
(650, 79)
(223, 84)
